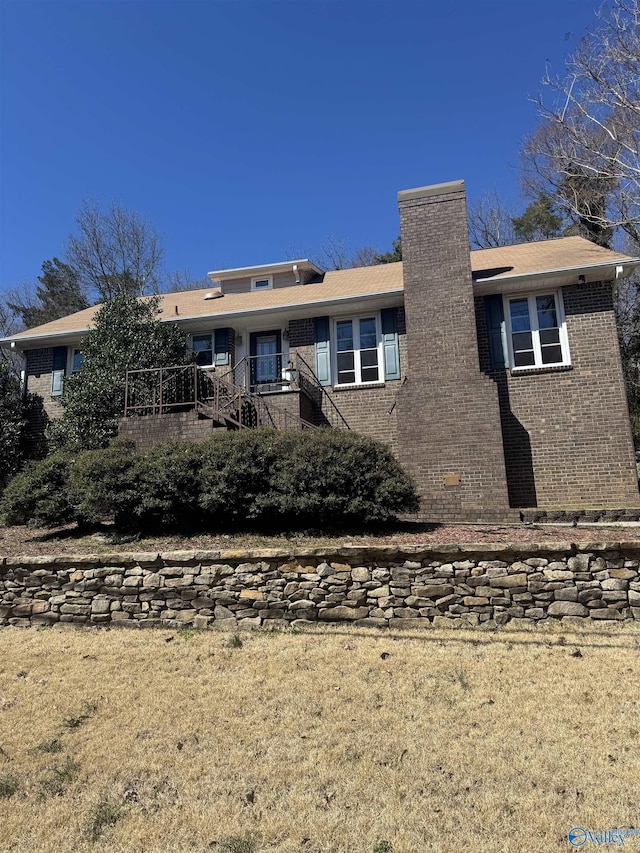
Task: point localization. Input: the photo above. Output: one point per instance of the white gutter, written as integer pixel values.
(15, 340)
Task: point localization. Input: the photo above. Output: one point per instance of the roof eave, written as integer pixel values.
(559, 277)
(263, 269)
(21, 343)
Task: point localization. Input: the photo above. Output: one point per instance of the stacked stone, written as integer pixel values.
(378, 587)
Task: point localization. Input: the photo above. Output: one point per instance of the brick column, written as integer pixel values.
(449, 435)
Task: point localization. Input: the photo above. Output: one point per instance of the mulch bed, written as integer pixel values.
(30, 541)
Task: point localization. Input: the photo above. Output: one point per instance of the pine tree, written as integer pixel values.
(58, 294)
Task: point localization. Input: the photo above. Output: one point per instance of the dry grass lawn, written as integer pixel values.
(332, 739)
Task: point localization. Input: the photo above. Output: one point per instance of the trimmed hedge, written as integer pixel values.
(249, 479)
(39, 494)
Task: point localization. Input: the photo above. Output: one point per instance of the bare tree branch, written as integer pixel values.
(8, 320)
(181, 280)
(115, 251)
(586, 151)
(490, 222)
(335, 253)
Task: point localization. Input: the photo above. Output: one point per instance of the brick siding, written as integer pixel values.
(567, 437)
(301, 333)
(38, 371)
(369, 410)
(149, 430)
(447, 411)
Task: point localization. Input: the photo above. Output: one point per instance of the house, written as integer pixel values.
(494, 375)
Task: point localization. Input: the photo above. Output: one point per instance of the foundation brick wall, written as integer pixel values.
(567, 437)
(447, 411)
(149, 430)
(450, 586)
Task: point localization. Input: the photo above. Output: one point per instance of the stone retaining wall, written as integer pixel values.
(442, 585)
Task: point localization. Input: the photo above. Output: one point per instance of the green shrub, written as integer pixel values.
(330, 478)
(11, 420)
(168, 486)
(104, 483)
(236, 476)
(39, 495)
(296, 480)
(252, 478)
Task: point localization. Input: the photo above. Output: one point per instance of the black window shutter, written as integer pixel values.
(494, 310)
(221, 346)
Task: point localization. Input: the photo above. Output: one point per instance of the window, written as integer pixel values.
(264, 282)
(211, 349)
(537, 331)
(58, 365)
(358, 351)
(77, 360)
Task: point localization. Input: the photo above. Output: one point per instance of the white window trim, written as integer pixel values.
(533, 318)
(257, 278)
(334, 352)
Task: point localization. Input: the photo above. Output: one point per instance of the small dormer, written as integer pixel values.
(267, 276)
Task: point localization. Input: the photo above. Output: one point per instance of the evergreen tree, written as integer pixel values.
(538, 222)
(58, 294)
(11, 421)
(127, 335)
(391, 257)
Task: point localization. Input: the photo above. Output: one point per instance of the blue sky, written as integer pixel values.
(246, 130)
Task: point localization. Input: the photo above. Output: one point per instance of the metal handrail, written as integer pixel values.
(309, 374)
(233, 372)
(209, 394)
(242, 371)
(157, 399)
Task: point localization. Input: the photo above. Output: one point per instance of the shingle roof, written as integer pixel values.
(523, 259)
(526, 258)
(364, 281)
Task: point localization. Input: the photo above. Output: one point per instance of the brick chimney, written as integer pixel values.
(449, 434)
